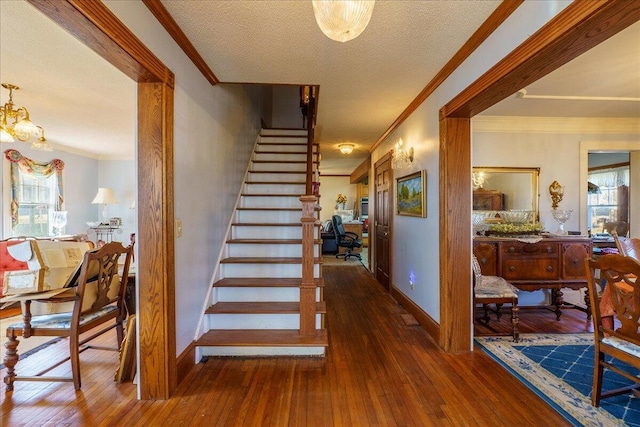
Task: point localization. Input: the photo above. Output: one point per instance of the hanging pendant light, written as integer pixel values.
(342, 20)
(15, 123)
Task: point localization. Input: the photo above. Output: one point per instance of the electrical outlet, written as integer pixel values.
(178, 228)
(412, 285)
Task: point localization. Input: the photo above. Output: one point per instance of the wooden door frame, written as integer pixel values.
(579, 27)
(98, 28)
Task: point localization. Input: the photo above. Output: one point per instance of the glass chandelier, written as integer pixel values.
(15, 123)
(342, 20)
(402, 158)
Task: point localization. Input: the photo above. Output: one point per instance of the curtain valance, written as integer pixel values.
(20, 163)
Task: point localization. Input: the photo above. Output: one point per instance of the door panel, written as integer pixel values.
(382, 222)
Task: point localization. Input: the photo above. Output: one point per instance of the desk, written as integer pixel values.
(551, 263)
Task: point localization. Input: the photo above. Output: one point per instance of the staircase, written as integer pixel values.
(255, 300)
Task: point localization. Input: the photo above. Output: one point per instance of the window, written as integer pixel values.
(37, 203)
(609, 197)
(36, 193)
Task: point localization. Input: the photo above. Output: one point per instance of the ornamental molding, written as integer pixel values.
(564, 125)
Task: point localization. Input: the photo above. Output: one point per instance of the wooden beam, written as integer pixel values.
(455, 229)
(166, 20)
(156, 267)
(362, 171)
(578, 28)
(98, 28)
(502, 12)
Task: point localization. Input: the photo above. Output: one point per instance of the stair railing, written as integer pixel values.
(308, 220)
(308, 284)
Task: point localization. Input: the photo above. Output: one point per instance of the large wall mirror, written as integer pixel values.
(501, 188)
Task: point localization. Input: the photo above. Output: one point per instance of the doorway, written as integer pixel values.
(96, 26)
(631, 147)
(578, 28)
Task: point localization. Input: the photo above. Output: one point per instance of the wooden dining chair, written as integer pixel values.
(627, 246)
(97, 292)
(495, 290)
(621, 344)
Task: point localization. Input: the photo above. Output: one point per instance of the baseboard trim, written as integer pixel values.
(185, 362)
(427, 323)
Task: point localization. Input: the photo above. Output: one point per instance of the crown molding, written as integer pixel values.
(564, 125)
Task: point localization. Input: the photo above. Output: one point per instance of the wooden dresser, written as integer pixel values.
(551, 263)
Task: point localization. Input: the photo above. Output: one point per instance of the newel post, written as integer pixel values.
(307, 286)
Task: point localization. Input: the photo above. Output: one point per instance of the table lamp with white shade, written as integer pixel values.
(105, 197)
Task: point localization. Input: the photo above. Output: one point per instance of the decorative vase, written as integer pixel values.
(341, 206)
(561, 216)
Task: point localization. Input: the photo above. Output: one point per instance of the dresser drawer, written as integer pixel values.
(529, 249)
(531, 269)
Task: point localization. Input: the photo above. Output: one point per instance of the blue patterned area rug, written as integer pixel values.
(559, 369)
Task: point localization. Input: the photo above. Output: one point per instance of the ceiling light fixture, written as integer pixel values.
(346, 148)
(401, 158)
(342, 20)
(21, 127)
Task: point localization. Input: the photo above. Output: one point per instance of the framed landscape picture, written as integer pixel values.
(411, 197)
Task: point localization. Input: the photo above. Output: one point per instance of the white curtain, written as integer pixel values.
(610, 178)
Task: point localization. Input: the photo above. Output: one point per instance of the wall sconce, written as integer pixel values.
(556, 191)
(346, 148)
(401, 158)
(478, 179)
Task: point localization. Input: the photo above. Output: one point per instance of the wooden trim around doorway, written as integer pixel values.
(97, 27)
(579, 27)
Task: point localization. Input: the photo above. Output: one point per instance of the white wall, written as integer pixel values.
(556, 154)
(414, 240)
(286, 111)
(80, 179)
(330, 187)
(120, 176)
(215, 131)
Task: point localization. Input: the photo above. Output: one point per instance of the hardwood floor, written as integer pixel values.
(535, 319)
(378, 371)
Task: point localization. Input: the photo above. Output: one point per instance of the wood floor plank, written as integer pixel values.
(378, 372)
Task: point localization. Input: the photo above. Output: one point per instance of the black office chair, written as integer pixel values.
(345, 239)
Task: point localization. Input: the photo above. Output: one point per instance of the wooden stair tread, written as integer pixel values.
(270, 241)
(268, 224)
(277, 182)
(260, 307)
(265, 282)
(270, 209)
(278, 172)
(279, 161)
(262, 338)
(270, 195)
(280, 152)
(266, 260)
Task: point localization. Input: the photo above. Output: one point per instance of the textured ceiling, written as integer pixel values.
(88, 106)
(83, 102)
(364, 84)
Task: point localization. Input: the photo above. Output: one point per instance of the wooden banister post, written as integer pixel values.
(307, 285)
